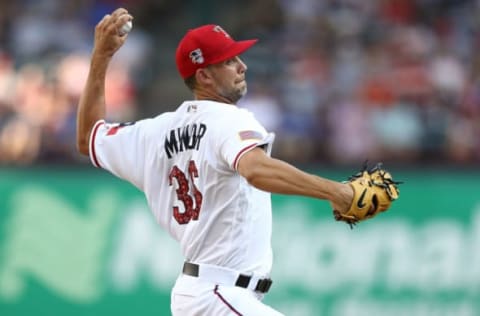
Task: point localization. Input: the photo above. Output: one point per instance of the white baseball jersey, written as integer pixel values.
(185, 162)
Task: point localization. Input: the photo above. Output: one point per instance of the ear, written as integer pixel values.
(203, 76)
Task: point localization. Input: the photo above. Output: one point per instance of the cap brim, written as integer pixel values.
(233, 50)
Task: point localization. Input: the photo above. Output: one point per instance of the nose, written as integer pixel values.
(241, 65)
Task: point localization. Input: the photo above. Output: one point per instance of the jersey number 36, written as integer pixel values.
(187, 192)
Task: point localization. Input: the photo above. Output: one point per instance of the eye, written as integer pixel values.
(230, 61)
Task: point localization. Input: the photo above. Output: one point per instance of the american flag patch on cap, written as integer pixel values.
(245, 135)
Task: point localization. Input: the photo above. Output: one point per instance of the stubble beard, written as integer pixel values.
(234, 94)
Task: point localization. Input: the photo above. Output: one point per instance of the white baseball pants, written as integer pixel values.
(192, 296)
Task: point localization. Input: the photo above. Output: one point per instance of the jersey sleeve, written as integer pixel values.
(120, 148)
(242, 133)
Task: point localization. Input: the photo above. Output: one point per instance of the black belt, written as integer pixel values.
(243, 280)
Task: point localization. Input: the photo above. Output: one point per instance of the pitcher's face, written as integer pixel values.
(229, 78)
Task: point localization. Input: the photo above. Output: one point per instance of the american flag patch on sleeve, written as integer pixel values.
(246, 135)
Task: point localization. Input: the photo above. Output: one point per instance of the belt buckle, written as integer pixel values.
(243, 280)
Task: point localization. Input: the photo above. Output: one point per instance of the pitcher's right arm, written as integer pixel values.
(91, 106)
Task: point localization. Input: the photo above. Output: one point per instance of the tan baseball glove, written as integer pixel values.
(374, 191)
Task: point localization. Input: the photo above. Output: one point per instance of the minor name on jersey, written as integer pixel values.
(184, 138)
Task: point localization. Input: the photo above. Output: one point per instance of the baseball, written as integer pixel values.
(127, 27)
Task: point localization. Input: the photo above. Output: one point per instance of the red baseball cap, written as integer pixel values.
(207, 45)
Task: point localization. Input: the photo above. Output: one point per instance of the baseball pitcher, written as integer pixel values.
(206, 171)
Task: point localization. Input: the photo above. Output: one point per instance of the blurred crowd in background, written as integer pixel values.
(338, 81)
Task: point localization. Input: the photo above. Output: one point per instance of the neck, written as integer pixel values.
(208, 95)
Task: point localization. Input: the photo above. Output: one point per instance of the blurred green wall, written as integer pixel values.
(81, 242)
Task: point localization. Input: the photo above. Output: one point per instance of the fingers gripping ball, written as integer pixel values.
(374, 190)
(126, 28)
